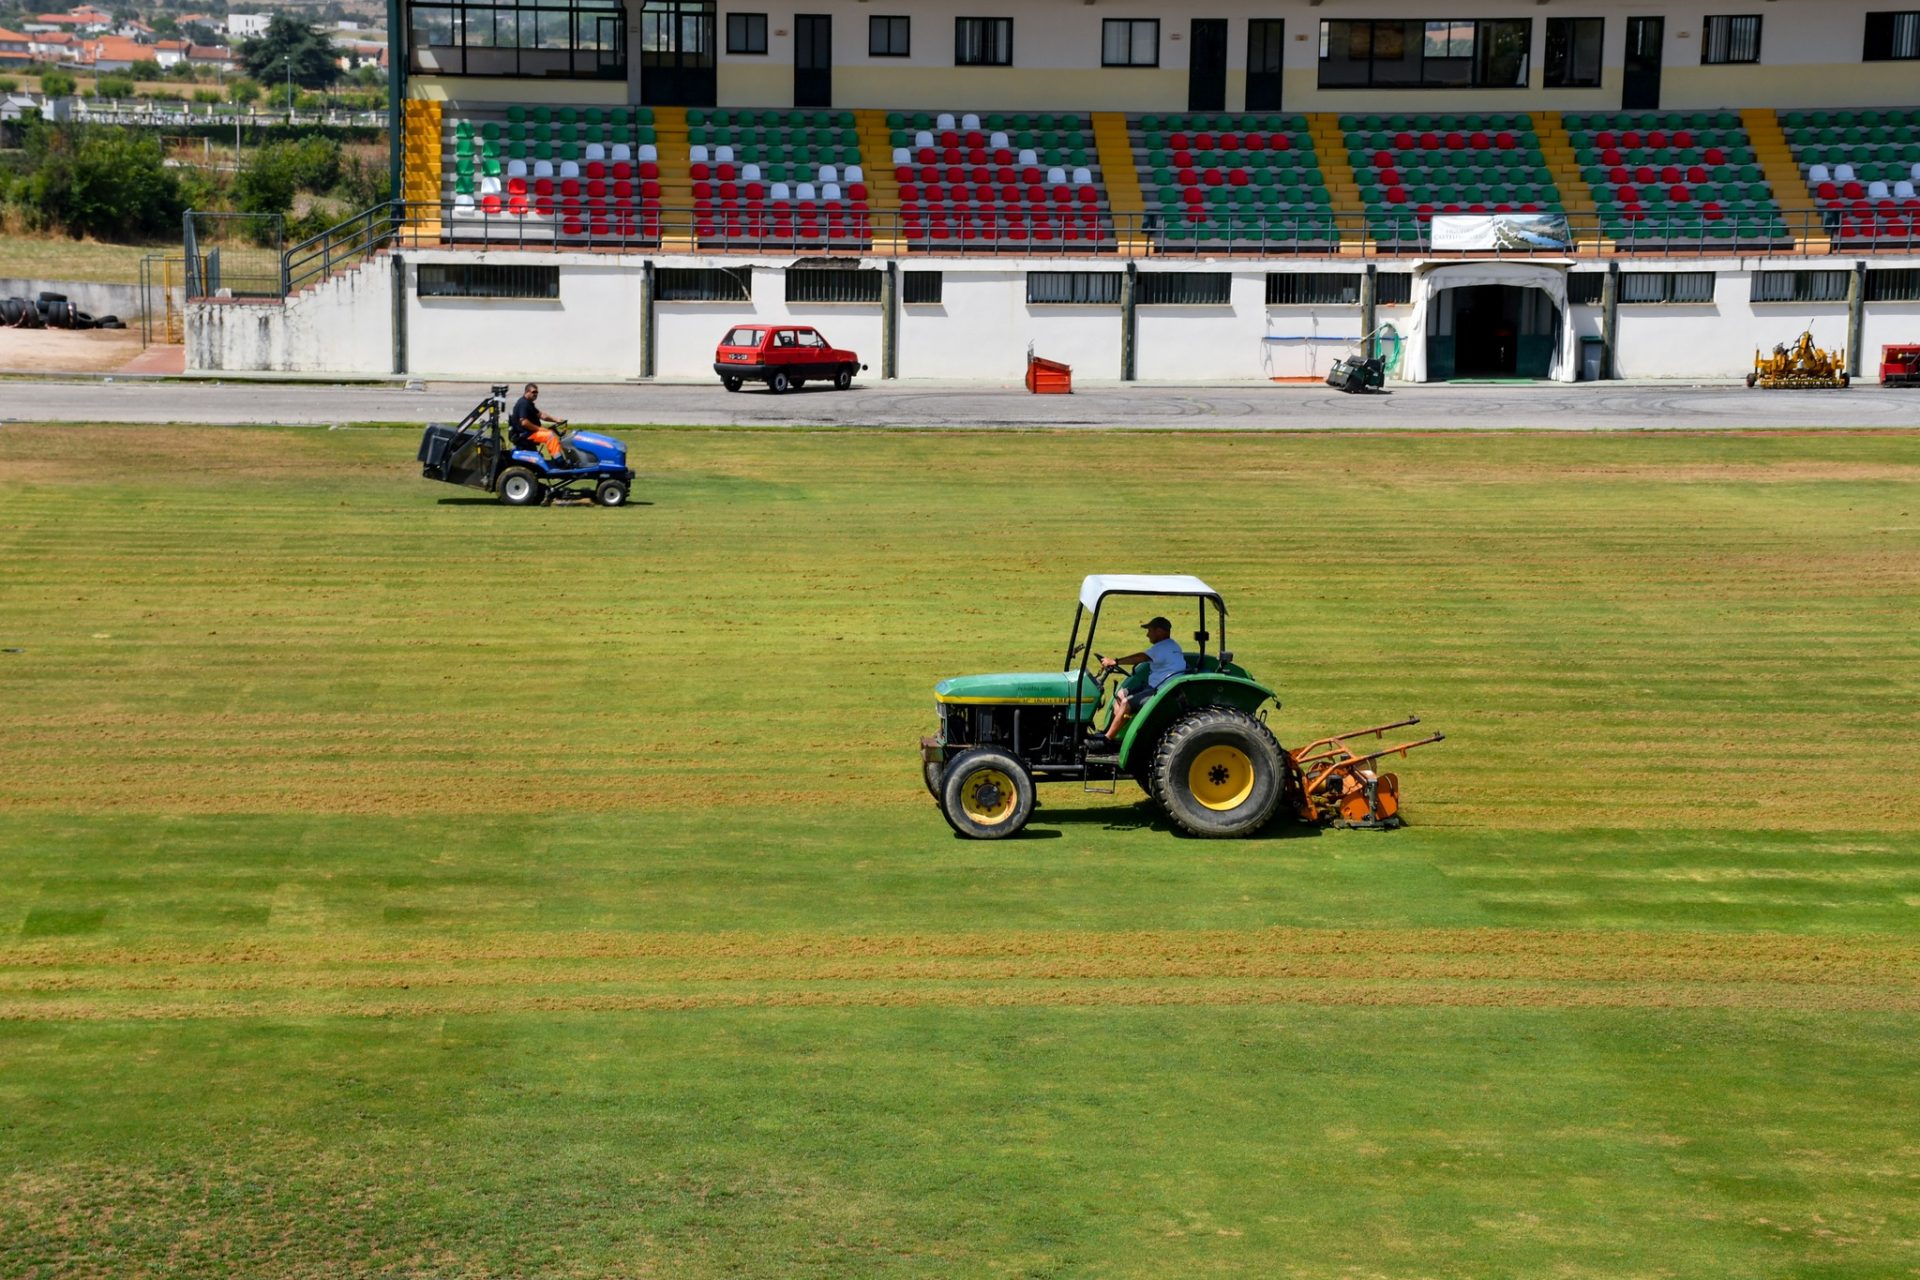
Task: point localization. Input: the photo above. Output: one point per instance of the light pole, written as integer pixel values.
(289, 61)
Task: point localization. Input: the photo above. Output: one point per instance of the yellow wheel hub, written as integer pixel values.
(988, 797)
(1221, 777)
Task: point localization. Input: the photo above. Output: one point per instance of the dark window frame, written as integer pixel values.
(1709, 38)
(1393, 289)
(740, 42)
(1130, 24)
(986, 25)
(849, 286)
(879, 22)
(703, 284)
(1313, 288)
(1475, 60)
(1884, 25)
(922, 288)
(1893, 284)
(1184, 289)
(1584, 288)
(1568, 78)
(1667, 288)
(1086, 288)
(518, 281)
(1827, 287)
(577, 22)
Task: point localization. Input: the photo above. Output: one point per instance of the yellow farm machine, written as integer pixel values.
(1802, 365)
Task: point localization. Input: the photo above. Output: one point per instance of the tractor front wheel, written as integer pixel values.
(1218, 772)
(935, 773)
(611, 493)
(517, 487)
(986, 794)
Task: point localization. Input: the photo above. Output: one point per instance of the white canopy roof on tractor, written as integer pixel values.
(1096, 585)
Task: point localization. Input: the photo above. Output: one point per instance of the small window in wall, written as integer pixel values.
(1393, 288)
(838, 284)
(1666, 286)
(889, 37)
(1893, 37)
(1073, 288)
(1584, 288)
(477, 280)
(1130, 42)
(920, 288)
(1726, 40)
(1313, 288)
(1185, 289)
(746, 33)
(1800, 286)
(983, 42)
(1902, 284)
(703, 284)
(1573, 52)
(1414, 53)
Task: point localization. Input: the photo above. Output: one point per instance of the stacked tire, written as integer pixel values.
(52, 311)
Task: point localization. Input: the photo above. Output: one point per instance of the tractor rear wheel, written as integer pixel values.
(1217, 772)
(518, 488)
(986, 794)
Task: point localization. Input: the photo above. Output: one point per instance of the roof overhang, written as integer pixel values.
(1097, 585)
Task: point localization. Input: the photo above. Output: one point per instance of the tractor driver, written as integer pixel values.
(1167, 661)
(526, 423)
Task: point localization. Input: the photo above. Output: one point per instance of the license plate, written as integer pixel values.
(736, 357)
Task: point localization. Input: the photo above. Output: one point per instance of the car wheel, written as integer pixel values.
(731, 384)
(778, 382)
(611, 493)
(986, 794)
(1218, 772)
(843, 380)
(517, 487)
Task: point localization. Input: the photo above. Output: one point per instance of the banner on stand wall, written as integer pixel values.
(1511, 231)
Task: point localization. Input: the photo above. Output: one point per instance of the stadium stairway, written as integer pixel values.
(883, 189)
(1576, 197)
(676, 179)
(1125, 200)
(422, 162)
(1775, 158)
(1343, 188)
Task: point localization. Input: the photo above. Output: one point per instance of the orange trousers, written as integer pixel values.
(547, 441)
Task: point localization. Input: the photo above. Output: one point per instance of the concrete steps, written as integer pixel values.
(883, 189)
(1113, 143)
(1576, 194)
(1343, 188)
(676, 179)
(1775, 158)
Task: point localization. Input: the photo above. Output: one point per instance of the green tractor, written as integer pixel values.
(1200, 746)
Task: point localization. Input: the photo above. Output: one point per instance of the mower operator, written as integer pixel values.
(1163, 652)
(526, 423)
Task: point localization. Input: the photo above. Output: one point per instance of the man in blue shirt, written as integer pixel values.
(1166, 661)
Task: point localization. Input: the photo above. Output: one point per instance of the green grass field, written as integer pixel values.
(396, 884)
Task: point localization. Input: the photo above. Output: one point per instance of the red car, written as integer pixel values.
(783, 356)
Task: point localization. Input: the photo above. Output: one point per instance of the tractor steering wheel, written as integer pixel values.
(1102, 671)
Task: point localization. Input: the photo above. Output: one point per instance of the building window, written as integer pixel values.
(1393, 288)
(1573, 52)
(746, 33)
(1800, 286)
(1313, 288)
(1584, 288)
(548, 39)
(477, 280)
(1185, 289)
(1893, 37)
(703, 284)
(1900, 284)
(1408, 53)
(1073, 288)
(1726, 40)
(921, 288)
(1130, 42)
(1666, 286)
(889, 37)
(983, 42)
(834, 284)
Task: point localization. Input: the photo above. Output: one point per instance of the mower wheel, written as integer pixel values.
(843, 380)
(611, 493)
(778, 382)
(1751, 379)
(731, 384)
(1846, 380)
(1218, 772)
(518, 487)
(986, 794)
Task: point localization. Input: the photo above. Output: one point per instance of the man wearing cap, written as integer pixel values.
(527, 426)
(1167, 661)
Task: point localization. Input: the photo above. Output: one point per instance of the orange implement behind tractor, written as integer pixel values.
(1335, 784)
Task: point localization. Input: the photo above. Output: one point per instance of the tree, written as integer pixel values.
(56, 83)
(243, 91)
(145, 69)
(313, 56)
(100, 181)
(113, 87)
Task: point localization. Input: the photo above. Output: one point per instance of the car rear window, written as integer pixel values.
(742, 337)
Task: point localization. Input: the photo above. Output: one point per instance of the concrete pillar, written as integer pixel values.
(890, 321)
(399, 314)
(1369, 302)
(1609, 318)
(1856, 317)
(648, 344)
(1129, 315)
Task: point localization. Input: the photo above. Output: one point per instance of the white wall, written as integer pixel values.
(687, 332)
(343, 325)
(591, 330)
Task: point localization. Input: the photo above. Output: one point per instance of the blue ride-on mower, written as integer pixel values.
(481, 453)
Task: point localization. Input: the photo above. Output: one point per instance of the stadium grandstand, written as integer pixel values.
(1533, 190)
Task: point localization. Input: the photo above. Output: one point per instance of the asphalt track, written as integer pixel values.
(1607, 407)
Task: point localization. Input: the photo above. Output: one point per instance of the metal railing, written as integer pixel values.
(342, 246)
(233, 255)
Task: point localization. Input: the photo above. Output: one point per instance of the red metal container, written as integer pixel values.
(1900, 366)
(1049, 377)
